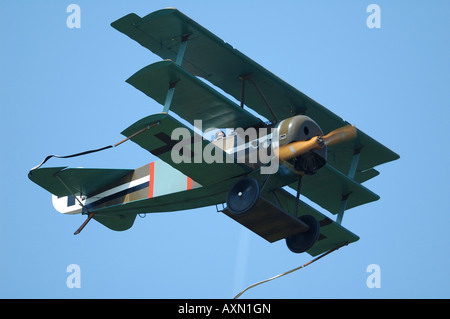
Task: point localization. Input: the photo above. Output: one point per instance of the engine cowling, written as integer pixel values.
(302, 128)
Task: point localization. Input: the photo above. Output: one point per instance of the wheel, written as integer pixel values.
(300, 243)
(243, 196)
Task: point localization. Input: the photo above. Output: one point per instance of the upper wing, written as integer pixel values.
(210, 57)
(187, 152)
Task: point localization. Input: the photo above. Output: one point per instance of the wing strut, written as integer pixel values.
(179, 61)
(351, 174)
(261, 94)
(297, 199)
(182, 49)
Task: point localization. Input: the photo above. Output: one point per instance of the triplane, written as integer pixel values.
(306, 147)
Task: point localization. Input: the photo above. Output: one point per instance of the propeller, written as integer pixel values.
(295, 149)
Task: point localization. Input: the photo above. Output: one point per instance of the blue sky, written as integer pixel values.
(63, 91)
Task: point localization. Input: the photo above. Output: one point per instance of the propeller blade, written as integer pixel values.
(295, 149)
(339, 135)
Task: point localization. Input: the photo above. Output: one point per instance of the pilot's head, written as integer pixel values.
(219, 134)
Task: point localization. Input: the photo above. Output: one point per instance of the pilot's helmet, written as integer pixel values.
(219, 134)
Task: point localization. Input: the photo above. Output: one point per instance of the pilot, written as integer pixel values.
(219, 134)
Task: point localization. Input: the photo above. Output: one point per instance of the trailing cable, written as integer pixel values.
(96, 150)
(289, 271)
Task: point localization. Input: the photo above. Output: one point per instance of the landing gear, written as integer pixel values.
(243, 196)
(246, 206)
(302, 242)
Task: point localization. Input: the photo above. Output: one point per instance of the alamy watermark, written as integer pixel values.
(74, 18)
(374, 279)
(374, 19)
(249, 146)
(74, 279)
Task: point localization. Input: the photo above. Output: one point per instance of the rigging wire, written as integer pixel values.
(289, 271)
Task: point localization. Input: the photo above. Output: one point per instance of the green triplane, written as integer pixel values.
(299, 144)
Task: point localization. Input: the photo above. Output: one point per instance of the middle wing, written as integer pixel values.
(329, 186)
(192, 98)
(194, 156)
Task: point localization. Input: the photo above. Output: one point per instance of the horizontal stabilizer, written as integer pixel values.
(62, 181)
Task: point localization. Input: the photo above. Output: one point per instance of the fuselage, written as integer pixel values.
(251, 147)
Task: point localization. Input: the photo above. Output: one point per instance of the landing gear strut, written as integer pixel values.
(299, 243)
